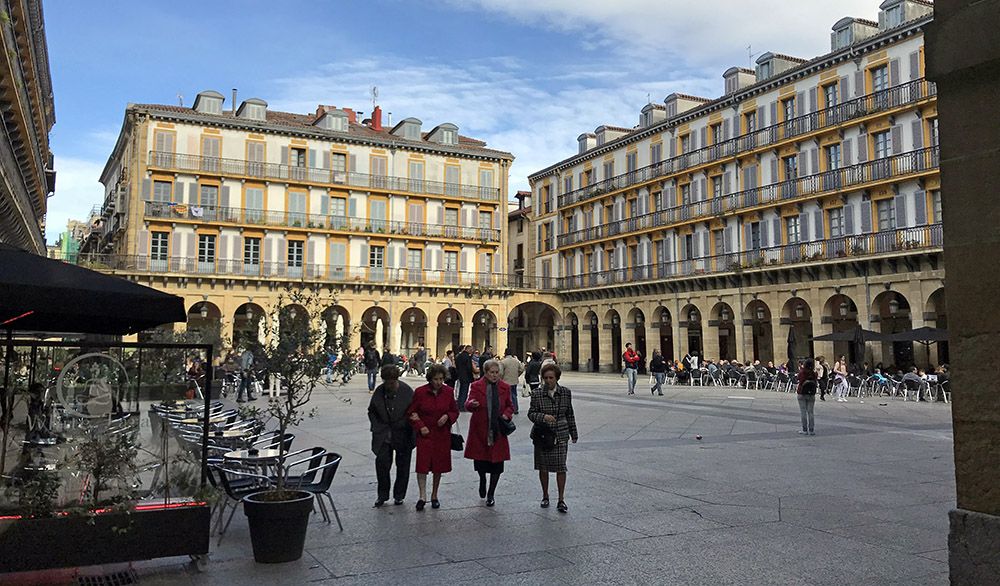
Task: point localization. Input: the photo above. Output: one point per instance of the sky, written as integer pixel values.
(527, 76)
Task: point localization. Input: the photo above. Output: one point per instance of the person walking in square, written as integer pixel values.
(432, 413)
(489, 401)
(372, 360)
(392, 434)
(658, 367)
(631, 359)
(511, 369)
(806, 390)
(465, 373)
(552, 408)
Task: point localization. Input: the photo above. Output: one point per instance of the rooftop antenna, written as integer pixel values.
(374, 93)
(648, 99)
(180, 99)
(750, 56)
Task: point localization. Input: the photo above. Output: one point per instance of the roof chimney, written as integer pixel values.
(377, 119)
(351, 116)
(234, 102)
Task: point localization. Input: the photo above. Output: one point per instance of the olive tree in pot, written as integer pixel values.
(292, 353)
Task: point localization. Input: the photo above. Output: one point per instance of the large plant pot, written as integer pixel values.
(278, 527)
(70, 541)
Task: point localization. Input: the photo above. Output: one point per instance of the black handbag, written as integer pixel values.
(457, 441)
(543, 436)
(507, 426)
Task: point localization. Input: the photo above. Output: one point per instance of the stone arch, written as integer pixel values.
(592, 333)
(205, 319)
(797, 315)
(663, 324)
(841, 313)
(761, 342)
(484, 327)
(892, 312)
(936, 315)
(337, 321)
(635, 325)
(247, 325)
(723, 319)
(571, 324)
(413, 327)
(531, 326)
(375, 327)
(612, 326)
(449, 327)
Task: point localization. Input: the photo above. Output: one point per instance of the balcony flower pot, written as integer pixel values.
(278, 522)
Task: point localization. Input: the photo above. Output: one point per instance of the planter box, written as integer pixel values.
(72, 541)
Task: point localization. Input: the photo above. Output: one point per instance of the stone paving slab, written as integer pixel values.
(865, 501)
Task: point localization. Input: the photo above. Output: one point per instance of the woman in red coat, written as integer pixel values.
(432, 413)
(489, 400)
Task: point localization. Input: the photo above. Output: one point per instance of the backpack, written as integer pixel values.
(809, 387)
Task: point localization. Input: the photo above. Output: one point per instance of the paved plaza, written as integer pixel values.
(865, 501)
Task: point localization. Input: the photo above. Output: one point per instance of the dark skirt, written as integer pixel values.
(553, 460)
(487, 467)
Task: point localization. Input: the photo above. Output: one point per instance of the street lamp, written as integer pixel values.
(447, 319)
(204, 311)
(724, 316)
(249, 313)
(760, 313)
(291, 313)
(800, 311)
(893, 307)
(639, 319)
(614, 320)
(843, 308)
(575, 322)
(693, 315)
(413, 318)
(593, 320)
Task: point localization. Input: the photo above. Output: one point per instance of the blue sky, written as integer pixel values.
(527, 76)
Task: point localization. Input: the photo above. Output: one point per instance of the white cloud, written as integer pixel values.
(712, 33)
(77, 191)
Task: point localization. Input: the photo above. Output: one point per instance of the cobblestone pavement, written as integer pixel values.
(864, 501)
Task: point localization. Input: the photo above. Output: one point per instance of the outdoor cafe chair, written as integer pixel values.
(236, 484)
(321, 488)
(311, 462)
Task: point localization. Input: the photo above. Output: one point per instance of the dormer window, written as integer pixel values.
(842, 38)
(208, 102)
(253, 109)
(446, 134)
(894, 16)
(335, 120)
(408, 129)
(449, 137)
(764, 70)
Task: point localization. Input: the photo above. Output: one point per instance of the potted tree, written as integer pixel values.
(293, 334)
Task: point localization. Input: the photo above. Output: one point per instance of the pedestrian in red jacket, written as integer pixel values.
(432, 413)
(489, 400)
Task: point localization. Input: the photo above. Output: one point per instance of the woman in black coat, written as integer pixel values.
(658, 366)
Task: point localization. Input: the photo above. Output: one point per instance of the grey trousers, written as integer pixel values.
(806, 404)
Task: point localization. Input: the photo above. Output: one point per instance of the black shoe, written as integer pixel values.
(561, 506)
(482, 490)
(379, 503)
(661, 394)
(435, 504)
(545, 502)
(489, 501)
(420, 505)
(397, 501)
(822, 398)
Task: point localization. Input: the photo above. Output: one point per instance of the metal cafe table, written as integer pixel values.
(265, 460)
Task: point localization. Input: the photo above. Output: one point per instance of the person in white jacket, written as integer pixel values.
(510, 371)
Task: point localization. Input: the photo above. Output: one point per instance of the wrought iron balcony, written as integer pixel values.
(251, 217)
(901, 240)
(854, 176)
(309, 273)
(518, 264)
(273, 171)
(875, 103)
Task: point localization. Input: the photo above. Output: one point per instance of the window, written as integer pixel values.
(716, 130)
(717, 186)
(719, 239)
(658, 200)
(208, 197)
(567, 184)
(792, 229)
(633, 208)
(755, 236)
(836, 222)
(451, 216)
(160, 245)
(255, 158)
(588, 177)
(485, 219)
(338, 163)
(631, 162)
(880, 78)
(688, 246)
(790, 167)
(297, 157)
(685, 143)
(414, 260)
(886, 214)
(764, 70)
(883, 144)
(161, 191)
(936, 208)
(296, 208)
(211, 147)
(933, 124)
(380, 166)
(546, 200)
(338, 207)
(788, 108)
(832, 157)
(830, 95)
(486, 178)
(894, 16)
(685, 194)
(451, 261)
(750, 121)
(295, 257)
(251, 251)
(449, 137)
(452, 179)
(163, 142)
(376, 256)
(842, 38)
(254, 203)
(206, 253)
(416, 176)
(609, 169)
(656, 153)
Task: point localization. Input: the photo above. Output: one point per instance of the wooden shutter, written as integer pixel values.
(462, 263)
(859, 84)
(324, 204)
(178, 192)
(365, 259)
(727, 244)
(725, 129)
(812, 100)
(775, 231)
(326, 159)
(900, 202)
(673, 147)
(224, 201)
(815, 161)
(353, 164)
(390, 256)
(774, 170)
(843, 94)
(914, 65)
(803, 227)
(774, 113)
(800, 103)
(862, 148)
(352, 207)
(703, 193)
(706, 246)
(866, 217)
(727, 183)
(761, 120)
(894, 72)
(818, 228)
(265, 250)
(312, 158)
(920, 208)
(849, 219)
(310, 253)
(747, 236)
(704, 138)
(142, 247)
(897, 139)
(918, 134)
(439, 259)
(284, 156)
(147, 185)
(847, 151)
(441, 216)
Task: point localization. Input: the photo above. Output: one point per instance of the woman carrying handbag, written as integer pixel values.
(491, 407)
(432, 413)
(555, 425)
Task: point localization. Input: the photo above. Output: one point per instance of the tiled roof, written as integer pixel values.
(305, 122)
(789, 58)
(690, 97)
(865, 21)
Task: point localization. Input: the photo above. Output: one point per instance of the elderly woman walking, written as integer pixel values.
(487, 446)
(432, 413)
(552, 413)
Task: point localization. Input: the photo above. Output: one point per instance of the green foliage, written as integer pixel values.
(34, 496)
(110, 460)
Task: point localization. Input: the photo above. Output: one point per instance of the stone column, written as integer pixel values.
(430, 339)
(585, 333)
(965, 70)
(604, 354)
(709, 339)
(561, 348)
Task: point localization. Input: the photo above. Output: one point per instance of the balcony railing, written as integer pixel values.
(251, 217)
(847, 177)
(518, 264)
(846, 247)
(882, 101)
(305, 272)
(217, 166)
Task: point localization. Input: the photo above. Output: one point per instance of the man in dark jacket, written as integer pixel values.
(392, 434)
(372, 363)
(464, 370)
